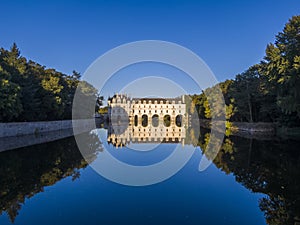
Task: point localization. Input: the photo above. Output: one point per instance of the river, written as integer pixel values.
(249, 182)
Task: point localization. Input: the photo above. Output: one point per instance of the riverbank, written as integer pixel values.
(258, 130)
(35, 128)
(18, 135)
(10, 143)
(243, 128)
(268, 129)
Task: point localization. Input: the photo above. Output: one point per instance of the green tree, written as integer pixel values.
(30, 92)
(10, 104)
(281, 67)
(246, 94)
(87, 102)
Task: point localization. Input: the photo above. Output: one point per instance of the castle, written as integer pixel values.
(146, 120)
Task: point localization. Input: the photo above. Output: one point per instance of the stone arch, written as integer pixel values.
(136, 120)
(145, 120)
(178, 120)
(119, 118)
(167, 120)
(155, 120)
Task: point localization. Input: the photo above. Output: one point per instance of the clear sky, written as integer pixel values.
(228, 35)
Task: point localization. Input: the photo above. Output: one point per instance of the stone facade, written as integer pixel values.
(146, 120)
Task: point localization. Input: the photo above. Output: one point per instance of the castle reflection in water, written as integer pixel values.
(146, 120)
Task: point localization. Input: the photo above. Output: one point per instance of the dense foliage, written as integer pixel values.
(268, 91)
(30, 92)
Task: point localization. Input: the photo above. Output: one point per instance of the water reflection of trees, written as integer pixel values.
(270, 167)
(26, 172)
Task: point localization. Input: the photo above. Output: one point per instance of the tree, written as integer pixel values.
(10, 104)
(87, 101)
(246, 94)
(51, 95)
(212, 101)
(281, 67)
(30, 92)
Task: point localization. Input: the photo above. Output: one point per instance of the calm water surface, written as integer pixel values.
(250, 182)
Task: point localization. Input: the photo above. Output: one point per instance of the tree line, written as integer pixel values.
(265, 92)
(31, 92)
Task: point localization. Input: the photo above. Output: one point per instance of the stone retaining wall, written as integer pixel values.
(9, 143)
(27, 128)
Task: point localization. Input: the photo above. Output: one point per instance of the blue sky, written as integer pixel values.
(229, 35)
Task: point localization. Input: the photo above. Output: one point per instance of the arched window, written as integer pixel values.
(144, 120)
(155, 120)
(136, 120)
(167, 120)
(178, 120)
(119, 119)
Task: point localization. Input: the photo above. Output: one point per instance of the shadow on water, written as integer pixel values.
(26, 171)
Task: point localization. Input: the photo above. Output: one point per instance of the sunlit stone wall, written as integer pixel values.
(149, 120)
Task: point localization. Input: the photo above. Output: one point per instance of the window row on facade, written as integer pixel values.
(155, 120)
